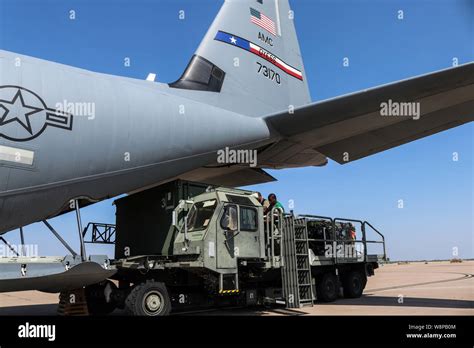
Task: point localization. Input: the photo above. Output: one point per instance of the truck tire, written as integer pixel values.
(148, 299)
(353, 284)
(327, 288)
(96, 298)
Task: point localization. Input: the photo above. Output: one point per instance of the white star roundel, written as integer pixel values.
(24, 115)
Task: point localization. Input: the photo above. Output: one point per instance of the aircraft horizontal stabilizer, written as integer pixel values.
(360, 124)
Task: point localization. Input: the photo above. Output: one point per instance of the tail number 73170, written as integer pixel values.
(268, 73)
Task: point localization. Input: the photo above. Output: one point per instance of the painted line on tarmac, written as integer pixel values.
(465, 276)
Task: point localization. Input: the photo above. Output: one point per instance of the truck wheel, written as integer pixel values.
(353, 284)
(96, 298)
(327, 288)
(148, 299)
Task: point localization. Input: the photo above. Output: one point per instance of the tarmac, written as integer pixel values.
(415, 288)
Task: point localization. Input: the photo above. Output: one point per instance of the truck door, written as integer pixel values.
(237, 235)
(226, 236)
(248, 242)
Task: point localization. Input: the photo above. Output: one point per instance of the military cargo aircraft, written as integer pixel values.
(145, 133)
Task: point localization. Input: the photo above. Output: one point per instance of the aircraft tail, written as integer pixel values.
(251, 57)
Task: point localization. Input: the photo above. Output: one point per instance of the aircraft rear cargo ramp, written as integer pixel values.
(51, 274)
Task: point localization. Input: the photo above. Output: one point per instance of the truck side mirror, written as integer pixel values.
(177, 217)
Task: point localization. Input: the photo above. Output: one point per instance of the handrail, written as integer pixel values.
(370, 225)
(381, 235)
(270, 223)
(316, 216)
(99, 237)
(349, 220)
(335, 238)
(270, 231)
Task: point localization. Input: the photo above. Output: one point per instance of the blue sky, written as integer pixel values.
(436, 191)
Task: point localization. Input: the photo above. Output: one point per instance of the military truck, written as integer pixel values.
(217, 247)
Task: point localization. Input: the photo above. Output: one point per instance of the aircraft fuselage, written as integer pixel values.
(139, 134)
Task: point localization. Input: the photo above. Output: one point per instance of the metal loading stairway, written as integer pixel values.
(296, 270)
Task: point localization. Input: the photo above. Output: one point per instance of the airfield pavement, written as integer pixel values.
(416, 288)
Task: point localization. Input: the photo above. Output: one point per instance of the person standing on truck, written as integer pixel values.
(352, 232)
(272, 199)
(262, 201)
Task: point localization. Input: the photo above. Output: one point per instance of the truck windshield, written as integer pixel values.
(200, 215)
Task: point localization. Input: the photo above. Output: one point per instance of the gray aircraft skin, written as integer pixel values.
(245, 88)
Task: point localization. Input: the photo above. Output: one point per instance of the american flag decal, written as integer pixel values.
(258, 18)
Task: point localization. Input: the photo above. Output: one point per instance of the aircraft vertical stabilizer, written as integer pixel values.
(251, 57)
